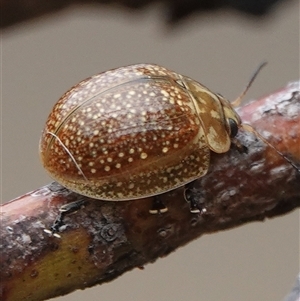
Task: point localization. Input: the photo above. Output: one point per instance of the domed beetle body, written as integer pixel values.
(135, 132)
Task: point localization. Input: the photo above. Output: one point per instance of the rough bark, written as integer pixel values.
(101, 240)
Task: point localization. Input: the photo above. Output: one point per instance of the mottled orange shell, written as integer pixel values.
(133, 132)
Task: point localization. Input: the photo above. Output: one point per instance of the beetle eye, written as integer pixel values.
(233, 127)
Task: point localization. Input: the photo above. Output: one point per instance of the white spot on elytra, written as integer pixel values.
(165, 93)
(144, 155)
(165, 149)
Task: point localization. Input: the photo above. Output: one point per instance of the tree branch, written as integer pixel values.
(102, 240)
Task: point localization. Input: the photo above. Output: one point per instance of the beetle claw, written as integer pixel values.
(194, 207)
(158, 206)
(193, 196)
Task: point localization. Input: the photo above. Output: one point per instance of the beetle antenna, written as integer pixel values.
(69, 153)
(250, 129)
(238, 101)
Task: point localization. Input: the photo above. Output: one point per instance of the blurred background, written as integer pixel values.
(43, 58)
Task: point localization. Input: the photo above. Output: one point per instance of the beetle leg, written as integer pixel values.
(57, 223)
(72, 207)
(242, 149)
(193, 196)
(63, 211)
(158, 206)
